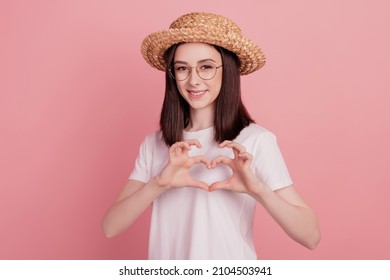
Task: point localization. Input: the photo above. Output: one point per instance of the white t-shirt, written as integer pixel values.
(190, 223)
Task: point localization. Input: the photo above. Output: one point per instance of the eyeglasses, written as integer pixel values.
(205, 70)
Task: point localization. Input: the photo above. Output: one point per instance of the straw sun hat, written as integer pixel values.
(203, 28)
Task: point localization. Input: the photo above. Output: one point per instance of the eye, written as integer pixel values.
(181, 68)
(207, 66)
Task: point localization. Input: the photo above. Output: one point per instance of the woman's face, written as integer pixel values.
(199, 93)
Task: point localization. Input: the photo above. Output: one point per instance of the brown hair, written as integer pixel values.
(230, 115)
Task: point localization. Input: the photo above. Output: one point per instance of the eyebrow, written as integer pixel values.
(199, 61)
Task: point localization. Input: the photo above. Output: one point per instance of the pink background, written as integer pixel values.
(76, 100)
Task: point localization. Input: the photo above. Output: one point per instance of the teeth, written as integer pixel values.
(197, 93)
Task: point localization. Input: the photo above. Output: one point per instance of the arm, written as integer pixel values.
(293, 215)
(285, 205)
(131, 203)
(137, 196)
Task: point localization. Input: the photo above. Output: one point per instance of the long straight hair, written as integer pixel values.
(230, 114)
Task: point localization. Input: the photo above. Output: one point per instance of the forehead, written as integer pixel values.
(194, 52)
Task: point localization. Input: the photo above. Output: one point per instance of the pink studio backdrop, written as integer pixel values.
(77, 99)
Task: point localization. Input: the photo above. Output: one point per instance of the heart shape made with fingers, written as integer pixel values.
(223, 172)
(211, 172)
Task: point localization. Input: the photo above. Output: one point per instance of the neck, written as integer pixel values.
(201, 119)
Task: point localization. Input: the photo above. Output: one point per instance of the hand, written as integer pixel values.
(176, 172)
(243, 180)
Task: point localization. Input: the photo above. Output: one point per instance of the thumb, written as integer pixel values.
(224, 185)
(199, 184)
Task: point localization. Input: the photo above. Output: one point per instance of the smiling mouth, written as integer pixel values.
(196, 93)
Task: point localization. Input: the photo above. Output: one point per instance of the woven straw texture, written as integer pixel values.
(203, 28)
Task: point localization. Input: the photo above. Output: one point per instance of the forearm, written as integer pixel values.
(299, 222)
(125, 211)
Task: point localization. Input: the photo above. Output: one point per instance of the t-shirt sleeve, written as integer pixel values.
(268, 162)
(141, 171)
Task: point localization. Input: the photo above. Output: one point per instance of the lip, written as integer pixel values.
(196, 94)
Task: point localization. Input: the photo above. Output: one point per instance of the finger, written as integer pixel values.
(246, 156)
(224, 185)
(221, 159)
(194, 142)
(199, 184)
(202, 159)
(180, 145)
(224, 143)
(237, 147)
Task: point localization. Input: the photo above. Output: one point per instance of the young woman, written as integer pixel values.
(209, 165)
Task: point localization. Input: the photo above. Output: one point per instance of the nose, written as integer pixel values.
(193, 77)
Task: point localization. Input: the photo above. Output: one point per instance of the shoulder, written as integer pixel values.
(154, 136)
(255, 132)
(153, 139)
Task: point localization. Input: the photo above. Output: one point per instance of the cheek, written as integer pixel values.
(181, 89)
(218, 84)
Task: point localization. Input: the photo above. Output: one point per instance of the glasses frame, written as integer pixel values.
(172, 70)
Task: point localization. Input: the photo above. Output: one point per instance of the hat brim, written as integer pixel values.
(154, 46)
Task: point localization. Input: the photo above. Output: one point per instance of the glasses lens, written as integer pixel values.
(206, 70)
(180, 72)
